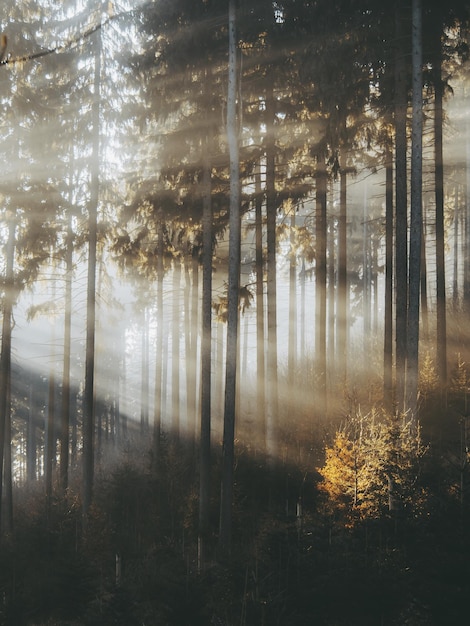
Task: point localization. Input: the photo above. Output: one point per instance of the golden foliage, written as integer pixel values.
(371, 467)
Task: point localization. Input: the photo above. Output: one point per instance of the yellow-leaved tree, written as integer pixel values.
(372, 468)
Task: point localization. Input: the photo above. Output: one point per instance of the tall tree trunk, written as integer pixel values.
(388, 305)
(292, 343)
(271, 244)
(441, 329)
(144, 389)
(49, 448)
(416, 213)
(466, 259)
(31, 438)
(331, 286)
(401, 226)
(260, 331)
(424, 287)
(8, 468)
(157, 404)
(342, 299)
(192, 358)
(89, 395)
(206, 368)
(65, 406)
(225, 530)
(5, 365)
(320, 288)
(175, 350)
(455, 281)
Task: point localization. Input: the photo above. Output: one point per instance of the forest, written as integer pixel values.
(235, 293)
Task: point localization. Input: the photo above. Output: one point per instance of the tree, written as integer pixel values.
(89, 397)
(416, 232)
(225, 530)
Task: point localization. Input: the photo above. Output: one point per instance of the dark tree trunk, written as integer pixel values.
(144, 389)
(455, 281)
(65, 406)
(441, 330)
(5, 370)
(175, 350)
(225, 530)
(260, 331)
(424, 287)
(416, 231)
(401, 226)
(271, 244)
(388, 305)
(342, 300)
(320, 288)
(193, 408)
(331, 313)
(31, 459)
(157, 405)
(206, 367)
(89, 394)
(292, 343)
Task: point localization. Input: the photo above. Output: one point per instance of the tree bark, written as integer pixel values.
(260, 330)
(175, 350)
(65, 405)
(5, 366)
(342, 300)
(320, 288)
(89, 393)
(441, 328)
(292, 343)
(157, 404)
(271, 302)
(416, 214)
(225, 530)
(388, 305)
(206, 366)
(401, 226)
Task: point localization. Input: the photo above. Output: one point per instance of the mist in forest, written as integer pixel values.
(235, 288)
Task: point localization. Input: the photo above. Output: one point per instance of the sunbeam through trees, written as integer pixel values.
(235, 292)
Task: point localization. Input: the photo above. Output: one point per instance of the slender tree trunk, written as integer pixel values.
(65, 406)
(303, 354)
(271, 244)
(5, 366)
(424, 286)
(8, 468)
(157, 405)
(342, 300)
(260, 331)
(144, 389)
(206, 367)
(441, 330)
(292, 343)
(31, 446)
(225, 530)
(89, 395)
(320, 289)
(416, 213)
(193, 408)
(455, 281)
(331, 313)
(388, 305)
(175, 350)
(401, 226)
(49, 448)
(466, 259)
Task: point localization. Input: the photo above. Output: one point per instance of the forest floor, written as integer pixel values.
(295, 561)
